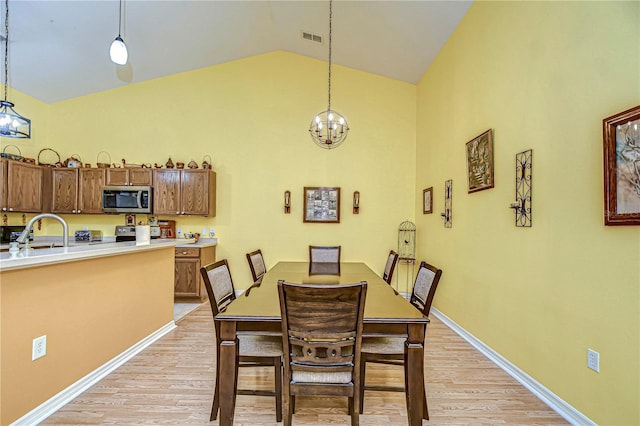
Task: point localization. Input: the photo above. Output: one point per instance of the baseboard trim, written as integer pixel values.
(63, 397)
(557, 404)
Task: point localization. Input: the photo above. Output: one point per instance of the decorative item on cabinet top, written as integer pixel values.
(49, 163)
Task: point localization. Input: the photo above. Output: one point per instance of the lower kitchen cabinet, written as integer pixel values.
(188, 281)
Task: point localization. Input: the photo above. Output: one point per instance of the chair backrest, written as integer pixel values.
(425, 287)
(219, 285)
(392, 259)
(322, 332)
(256, 263)
(324, 254)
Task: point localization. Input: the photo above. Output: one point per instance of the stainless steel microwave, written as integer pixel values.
(127, 199)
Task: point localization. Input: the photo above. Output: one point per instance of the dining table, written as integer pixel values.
(386, 313)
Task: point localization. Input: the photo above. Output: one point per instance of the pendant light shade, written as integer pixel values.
(118, 50)
(12, 124)
(329, 128)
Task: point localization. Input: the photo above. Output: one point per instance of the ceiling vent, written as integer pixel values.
(316, 38)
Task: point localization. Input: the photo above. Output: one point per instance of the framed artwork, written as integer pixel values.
(480, 162)
(622, 168)
(427, 200)
(322, 204)
(130, 219)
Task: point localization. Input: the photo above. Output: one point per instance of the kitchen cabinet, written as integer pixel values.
(77, 191)
(188, 280)
(184, 192)
(129, 177)
(21, 187)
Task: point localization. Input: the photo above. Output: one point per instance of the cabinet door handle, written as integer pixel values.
(184, 252)
(10, 209)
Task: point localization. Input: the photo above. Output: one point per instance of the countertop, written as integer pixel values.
(86, 250)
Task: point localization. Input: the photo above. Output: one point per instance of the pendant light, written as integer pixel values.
(12, 124)
(118, 51)
(329, 128)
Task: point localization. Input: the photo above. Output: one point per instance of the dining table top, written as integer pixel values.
(383, 304)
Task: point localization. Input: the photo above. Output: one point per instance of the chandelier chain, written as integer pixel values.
(330, 33)
(6, 47)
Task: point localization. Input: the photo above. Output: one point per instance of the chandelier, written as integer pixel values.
(329, 128)
(118, 50)
(12, 124)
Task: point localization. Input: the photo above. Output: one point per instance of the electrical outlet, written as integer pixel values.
(212, 232)
(593, 360)
(179, 231)
(204, 232)
(39, 348)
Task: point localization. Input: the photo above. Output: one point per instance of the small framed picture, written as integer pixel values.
(480, 162)
(322, 204)
(621, 134)
(130, 219)
(427, 200)
(152, 220)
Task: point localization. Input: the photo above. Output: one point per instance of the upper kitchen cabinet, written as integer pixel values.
(21, 187)
(129, 176)
(77, 191)
(184, 192)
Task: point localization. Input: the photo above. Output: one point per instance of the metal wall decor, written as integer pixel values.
(522, 206)
(447, 215)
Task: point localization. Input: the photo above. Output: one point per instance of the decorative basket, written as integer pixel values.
(73, 162)
(206, 164)
(55, 164)
(15, 157)
(103, 165)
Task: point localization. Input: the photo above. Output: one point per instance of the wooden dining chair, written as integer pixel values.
(321, 337)
(254, 350)
(392, 259)
(257, 265)
(324, 254)
(390, 350)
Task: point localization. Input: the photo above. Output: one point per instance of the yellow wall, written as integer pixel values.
(90, 311)
(252, 117)
(543, 75)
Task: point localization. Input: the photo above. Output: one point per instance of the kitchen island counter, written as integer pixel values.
(98, 304)
(81, 251)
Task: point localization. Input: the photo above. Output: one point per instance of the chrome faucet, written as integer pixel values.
(24, 237)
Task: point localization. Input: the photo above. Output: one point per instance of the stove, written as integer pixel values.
(125, 233)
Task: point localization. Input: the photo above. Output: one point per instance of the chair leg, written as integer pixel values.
(425, 410)
(288, 404)
(278, 382)
(355, 414)
(363, 366)
(216, 396)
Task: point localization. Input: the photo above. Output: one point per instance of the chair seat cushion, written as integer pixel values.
(256, 345)
(383, 345)
(328, 377)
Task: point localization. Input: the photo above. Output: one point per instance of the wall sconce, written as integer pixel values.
(287, 202)
(356, 202)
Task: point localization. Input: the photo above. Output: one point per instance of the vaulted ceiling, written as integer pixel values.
(60, 49)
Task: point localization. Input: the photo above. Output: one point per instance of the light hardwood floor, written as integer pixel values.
(171, 383)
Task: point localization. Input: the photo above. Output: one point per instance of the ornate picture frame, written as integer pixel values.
(427, 200)
(621, 146)
(321, 204)
(480, 162)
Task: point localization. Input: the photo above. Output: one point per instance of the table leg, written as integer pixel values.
(228, 371)
(414, 365)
